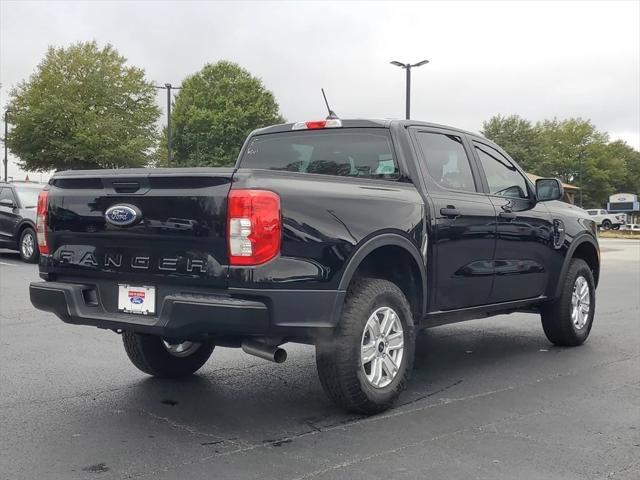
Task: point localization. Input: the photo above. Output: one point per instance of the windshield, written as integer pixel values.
(28, 196)
(354, 152)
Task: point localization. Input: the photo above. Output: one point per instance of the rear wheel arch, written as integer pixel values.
(21, 228)
(387, 256)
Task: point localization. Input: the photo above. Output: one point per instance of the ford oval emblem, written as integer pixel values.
(122, 215)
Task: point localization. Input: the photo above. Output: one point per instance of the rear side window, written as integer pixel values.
(6, 194)
(353, 152)
(28, 196)
(447, 161)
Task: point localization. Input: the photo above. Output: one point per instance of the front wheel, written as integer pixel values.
(365, 364)
(162, 358)
(28, 246)
(568, 321)
(616, 227)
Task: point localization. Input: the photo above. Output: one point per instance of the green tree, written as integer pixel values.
(517, 136)
(83, 108)
(575, 151)
(629, 181)
(572, 150)
(214, 112)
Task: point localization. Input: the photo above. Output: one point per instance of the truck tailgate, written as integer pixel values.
(178, 228)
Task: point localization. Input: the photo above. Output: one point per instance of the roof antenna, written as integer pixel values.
(332, 115)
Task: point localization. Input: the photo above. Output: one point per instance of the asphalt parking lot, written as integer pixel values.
(489, 399)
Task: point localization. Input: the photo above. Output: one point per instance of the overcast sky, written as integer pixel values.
(537, 59)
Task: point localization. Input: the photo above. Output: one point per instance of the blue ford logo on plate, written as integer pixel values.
(122, 215)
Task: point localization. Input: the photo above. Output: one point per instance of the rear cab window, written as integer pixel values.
(348, 152)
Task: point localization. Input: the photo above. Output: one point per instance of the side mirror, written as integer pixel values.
(6, 202)
(549, 189)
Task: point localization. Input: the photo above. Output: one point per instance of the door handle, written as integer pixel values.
(508, 215)
(450, 211)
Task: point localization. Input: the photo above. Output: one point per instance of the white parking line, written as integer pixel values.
(9, 264)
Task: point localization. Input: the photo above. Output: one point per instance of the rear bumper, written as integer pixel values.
(184, 315)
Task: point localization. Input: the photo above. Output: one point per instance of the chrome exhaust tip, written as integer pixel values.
(273, 353)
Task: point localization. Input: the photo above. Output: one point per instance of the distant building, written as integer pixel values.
(625, 203)
(569, 190)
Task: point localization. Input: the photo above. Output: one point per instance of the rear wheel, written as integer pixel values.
(606, 225)
(162, 358)
(366, 363)
(28, 246)
(568, 321)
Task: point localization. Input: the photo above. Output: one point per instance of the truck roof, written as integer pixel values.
(367, 123)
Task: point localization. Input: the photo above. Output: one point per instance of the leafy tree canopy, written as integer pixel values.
(83, 108)
(572, 150)
(214, 112)
(517, 136)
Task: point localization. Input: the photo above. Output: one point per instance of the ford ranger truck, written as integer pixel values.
(345, 234)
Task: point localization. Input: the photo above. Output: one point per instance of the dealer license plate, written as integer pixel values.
(137, 299)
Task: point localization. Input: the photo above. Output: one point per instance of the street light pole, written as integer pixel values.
(407, 67)
(580, 170)
(6, 132)
(168, 87)
(408, 93)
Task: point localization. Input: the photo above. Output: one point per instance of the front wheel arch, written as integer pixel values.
(586, 248)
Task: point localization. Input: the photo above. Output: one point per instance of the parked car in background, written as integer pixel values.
(606, 220)
(18, 202)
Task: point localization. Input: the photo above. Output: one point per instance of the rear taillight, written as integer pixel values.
(41, 222)
(253, 226)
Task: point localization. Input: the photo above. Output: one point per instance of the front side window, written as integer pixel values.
(503, 177)
(446, 160)
(353, 152)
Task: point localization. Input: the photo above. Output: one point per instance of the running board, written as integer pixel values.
(444, 317)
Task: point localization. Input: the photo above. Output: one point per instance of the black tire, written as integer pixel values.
(606, 225)
(615, 227)
(338, 357)
(556, 318)
(148, 354)
(28, 233)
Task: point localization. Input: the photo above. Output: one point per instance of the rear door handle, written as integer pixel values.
(508, 215)
(450, 211)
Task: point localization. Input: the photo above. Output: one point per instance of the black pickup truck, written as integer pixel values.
(345, 234)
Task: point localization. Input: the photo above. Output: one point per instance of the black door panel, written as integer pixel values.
(463, 222)
(522, 250)
(524, 229)
(9, 217)
(463, 247)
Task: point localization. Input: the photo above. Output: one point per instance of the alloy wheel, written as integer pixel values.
(382, 347)
(580, 303)
(28, 245)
